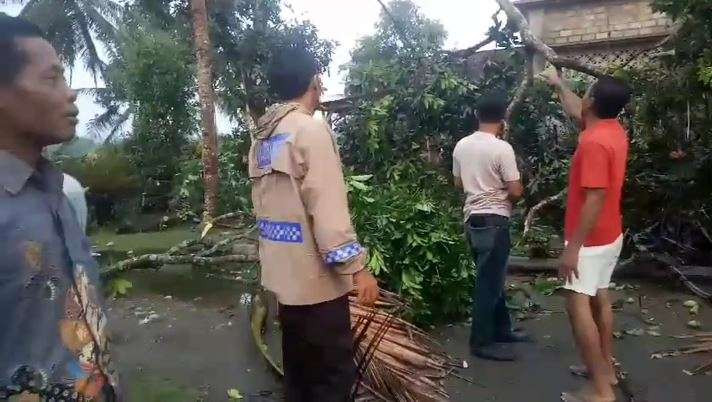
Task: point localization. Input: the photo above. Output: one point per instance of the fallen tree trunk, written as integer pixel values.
(154, 261)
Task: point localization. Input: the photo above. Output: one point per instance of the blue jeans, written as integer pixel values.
(489, 240)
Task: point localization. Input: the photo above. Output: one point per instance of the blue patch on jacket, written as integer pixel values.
(285, 232)
(269, 149)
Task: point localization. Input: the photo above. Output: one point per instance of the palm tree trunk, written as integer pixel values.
(203, 48)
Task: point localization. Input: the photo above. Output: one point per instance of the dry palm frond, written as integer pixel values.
(700, 343)
(396, 360)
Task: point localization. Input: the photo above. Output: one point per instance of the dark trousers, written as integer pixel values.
(317, 348)
(488, 237)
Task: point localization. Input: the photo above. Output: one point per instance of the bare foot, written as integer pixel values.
(581, 371)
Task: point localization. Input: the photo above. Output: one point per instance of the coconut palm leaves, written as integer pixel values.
(396, 360)
(75, 26)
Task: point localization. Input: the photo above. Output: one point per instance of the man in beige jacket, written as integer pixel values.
(310, 256)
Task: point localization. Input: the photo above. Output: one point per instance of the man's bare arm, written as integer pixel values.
(591, 211)
(569, 100)
(515, 191)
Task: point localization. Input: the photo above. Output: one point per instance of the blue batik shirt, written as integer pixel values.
(52, 338)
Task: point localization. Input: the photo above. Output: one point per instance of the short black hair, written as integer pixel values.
(492, 108)
(469, 123)
(12, 58)
(610, 95)
(291, 72)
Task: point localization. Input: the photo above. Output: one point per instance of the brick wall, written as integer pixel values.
(573, 22)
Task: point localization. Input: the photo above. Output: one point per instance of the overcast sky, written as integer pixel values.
(344, 21)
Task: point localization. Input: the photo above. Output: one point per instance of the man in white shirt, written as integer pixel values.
(75, 192)
(485, 167)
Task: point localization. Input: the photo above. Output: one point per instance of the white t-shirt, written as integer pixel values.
(485, 163)
(77, 199)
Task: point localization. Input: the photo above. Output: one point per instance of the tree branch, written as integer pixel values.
(153, 261)
(533, 42)
(531, 215)
(519, 96)
(468, 52)
(465, 53)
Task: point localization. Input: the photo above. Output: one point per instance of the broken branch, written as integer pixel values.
(531, 215)
(533, 42)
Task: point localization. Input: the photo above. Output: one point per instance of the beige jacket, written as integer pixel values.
(308, 248)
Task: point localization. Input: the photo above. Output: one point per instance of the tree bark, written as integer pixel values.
(154, 261)
(531, 41)
(531, 215)
(203, 49)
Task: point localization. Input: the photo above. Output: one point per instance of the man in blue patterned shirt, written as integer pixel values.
(53, 346)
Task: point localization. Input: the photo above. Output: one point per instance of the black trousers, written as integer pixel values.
(488, 236)
(317, 349)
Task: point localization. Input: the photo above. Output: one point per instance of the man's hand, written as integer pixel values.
(568, 263)
(366, 286)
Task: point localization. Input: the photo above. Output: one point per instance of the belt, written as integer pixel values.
(482, 220)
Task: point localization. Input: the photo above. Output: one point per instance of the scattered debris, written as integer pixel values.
(169, 297)
(233, 393)
(635, 332)
(630, 300)
(702, 344)
(149, 319)
(110, 244)
(245, 299)
(694, 324)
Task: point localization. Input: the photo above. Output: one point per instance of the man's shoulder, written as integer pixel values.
(310, 128)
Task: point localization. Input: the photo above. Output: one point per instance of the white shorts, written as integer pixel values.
(595, 268)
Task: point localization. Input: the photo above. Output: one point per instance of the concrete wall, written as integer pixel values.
(572, 22)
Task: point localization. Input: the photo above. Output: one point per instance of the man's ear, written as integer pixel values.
(316, 84)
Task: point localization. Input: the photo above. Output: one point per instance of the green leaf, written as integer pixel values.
(363, 177)
(358, 185)
(233, 393)
(119, 287)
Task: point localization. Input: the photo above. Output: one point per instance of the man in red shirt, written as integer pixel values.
(593, 228)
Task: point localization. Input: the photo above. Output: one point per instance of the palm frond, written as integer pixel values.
(396, 361)
(112, 120)
(92, 61)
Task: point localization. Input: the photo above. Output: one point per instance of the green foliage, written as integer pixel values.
(106, 172)
(118, 287)
(72, 25)
(235, 185)
(246, 34)
(413, 230)
(155, 75)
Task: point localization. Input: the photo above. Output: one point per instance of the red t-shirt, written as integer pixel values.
(599, 162)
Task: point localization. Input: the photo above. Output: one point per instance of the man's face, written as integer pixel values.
(39, 103)
(318, 90)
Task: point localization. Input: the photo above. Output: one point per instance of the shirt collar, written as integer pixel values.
(15, 173)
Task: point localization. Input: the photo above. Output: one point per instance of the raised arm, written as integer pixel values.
(569, 100)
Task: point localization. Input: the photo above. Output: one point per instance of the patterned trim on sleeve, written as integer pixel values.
(343, 254)
(284, 232)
